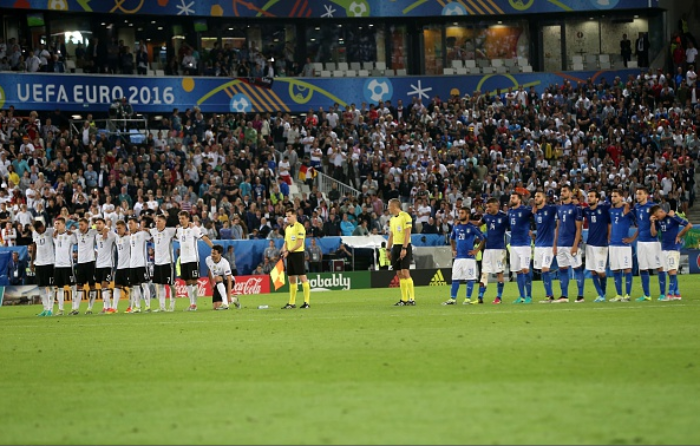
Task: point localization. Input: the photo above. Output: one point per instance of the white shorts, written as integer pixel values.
(493, 261)
(565, 259)
(620, 257)
(464, 269)
(649, 255)
(520, 257)
(670, 260)
(543, 257)
(596, 258)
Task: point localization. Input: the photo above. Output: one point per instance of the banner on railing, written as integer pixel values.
(245, 285)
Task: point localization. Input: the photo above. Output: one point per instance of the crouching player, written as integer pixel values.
(672, 229)
(221, 279)
(464, 235)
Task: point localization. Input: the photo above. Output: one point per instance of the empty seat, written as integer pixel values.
(472, 70)
(338, 73)
(632, 64)
(527, 69)
(343, 66)
(510, 62)
(471, 63)
(401, 72)
(448, 71)
(363, 73)
(318, 66)
(488, 70)
(577, 60)
(350, 73)
(160, 73)
(522, 61)
(369, 66)
(497, 63)
(325, 73)
(501, 69)
(577, 67)
(604, 58)
(355, 66)
(330, 66)
(462, 70)
(591, 59)
(380, 65)
(483, 63)
(456, 63)
(604, 65)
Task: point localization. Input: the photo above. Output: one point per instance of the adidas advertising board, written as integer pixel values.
(334, 281)
(421, 277)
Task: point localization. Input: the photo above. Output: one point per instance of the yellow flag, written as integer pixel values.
(277, 275)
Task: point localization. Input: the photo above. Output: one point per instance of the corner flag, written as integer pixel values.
(277, 275)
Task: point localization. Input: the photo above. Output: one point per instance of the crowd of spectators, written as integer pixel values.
(232, 172)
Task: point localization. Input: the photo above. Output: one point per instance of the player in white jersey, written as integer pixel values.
(220, 277)
(43, 261)
(63, 278)
(121, 277)
(188, 235)
(104, 263)
(138, 276)
(163, 269)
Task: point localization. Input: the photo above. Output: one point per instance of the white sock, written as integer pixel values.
(222, 290)
(171, 295)
(160, 293)
(77, 298)
(136, 296)
(48, 300)
(146, 294)
(193, 294)
(61, 296)
(117, 296)
(106, 298)
(91, 298)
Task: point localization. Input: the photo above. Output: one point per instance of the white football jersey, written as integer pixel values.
(222, 268)
(139, 242)
(188, 238)
(105, 250)
(86, 246)
(123, 251)
(63, 246)
(44, 250)
(162, 242)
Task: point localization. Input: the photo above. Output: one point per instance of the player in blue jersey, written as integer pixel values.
(519, 217)
(598, 216)
(546, 222)
(464, 234)
(672, 229)
(496, 222)
(620, 252)
(648, 246)
(566, 244)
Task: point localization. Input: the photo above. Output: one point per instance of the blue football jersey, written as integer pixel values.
(465, 236)
(568, 215)
(621, 224)
(519, 221)
(546, 221)
(598, 221)
(669, 227)
(642, 214)
(496, 230)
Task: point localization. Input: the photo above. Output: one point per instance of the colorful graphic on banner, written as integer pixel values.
(75, 93)
(335, 281)
(326, 8)
(245, 285)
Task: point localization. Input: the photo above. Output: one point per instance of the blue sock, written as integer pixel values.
(500, 289)
(455, 289)
(596, 284)
(662, 282)
(628, 282)
(564, 281)
(618, 281)
(470, 289)
(580, 279)
(547, 280)
(673, 289)
(603, 284)
(521, 284)
(645, 282)
(528, 284)
(482, 291)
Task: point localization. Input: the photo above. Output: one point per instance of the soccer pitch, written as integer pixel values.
(356, 370)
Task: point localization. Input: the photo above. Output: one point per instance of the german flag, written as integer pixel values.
(277, 275)
(307, 172)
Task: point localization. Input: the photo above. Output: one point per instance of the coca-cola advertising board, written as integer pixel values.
(245, 285)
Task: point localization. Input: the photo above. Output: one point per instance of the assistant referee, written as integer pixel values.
(293, 251)
(399, 250)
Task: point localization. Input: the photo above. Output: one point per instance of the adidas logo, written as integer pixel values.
(438, 279)
(396, 284)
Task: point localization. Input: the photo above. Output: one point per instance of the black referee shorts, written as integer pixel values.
(397, 263)
(295, 264)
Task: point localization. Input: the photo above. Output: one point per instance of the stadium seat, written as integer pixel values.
(401, 72)
(497, 63)
(470, 63)
(160, 73)
(343, 66)
(522, 61)
(527, 69)
(357, 66)
(318, 67)
(325, 73)
(351, 73)
(448, 71)
(363, 73)
(632, 64)
(488, 70)
(577, 67)
(330, 66)
(463, 71)
(338, 73)
(576, 60)
(369, 66)
(510, 62)
(457, 64)
(501, 69)
(483, 63)
(380, 66)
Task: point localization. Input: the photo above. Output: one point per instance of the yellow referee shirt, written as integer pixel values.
(292, 235)
(398, 225)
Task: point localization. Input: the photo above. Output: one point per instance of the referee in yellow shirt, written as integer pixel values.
(399, 250)
(293, 251)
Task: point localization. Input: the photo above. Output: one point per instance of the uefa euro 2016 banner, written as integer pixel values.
(326, 8)
(77, 92)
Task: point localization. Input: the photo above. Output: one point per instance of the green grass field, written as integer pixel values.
(356, 370)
